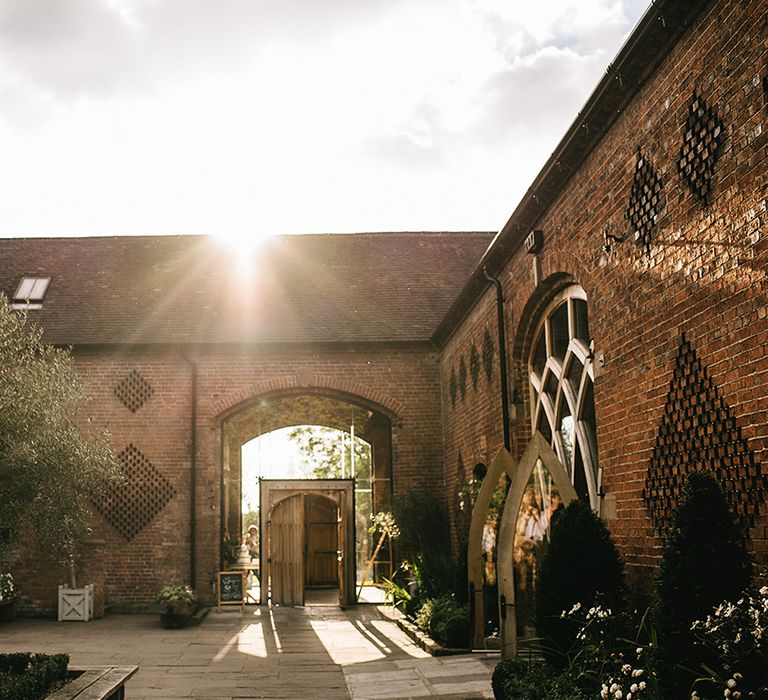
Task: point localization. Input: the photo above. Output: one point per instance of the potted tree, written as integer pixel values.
(7, 598)
(50, 470)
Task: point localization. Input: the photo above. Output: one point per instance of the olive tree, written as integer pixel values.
(50, 470)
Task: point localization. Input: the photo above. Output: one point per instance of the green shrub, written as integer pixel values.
(704, 562)
(445, 621)
(29, 676)
(522, 679)
(582, 565)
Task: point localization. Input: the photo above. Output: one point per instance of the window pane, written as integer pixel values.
(580, 323)
(540, 506)
(565, 427)
(579, 476)
(540, 353)
(558, 329)
(575, 370)
(543, 427)
(550, 387)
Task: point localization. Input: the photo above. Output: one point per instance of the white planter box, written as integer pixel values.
(75, 603)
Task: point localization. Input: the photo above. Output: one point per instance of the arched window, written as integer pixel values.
(562, 396)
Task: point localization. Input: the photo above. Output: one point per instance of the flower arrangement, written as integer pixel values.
(7, 589)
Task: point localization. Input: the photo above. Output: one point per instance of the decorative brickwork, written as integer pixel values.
(644, 202)
(462, 377)
(702, 138)
(488, 355)
(698, 432)
(133, 391)
(474, 365)
(135, 503)
(454, 387)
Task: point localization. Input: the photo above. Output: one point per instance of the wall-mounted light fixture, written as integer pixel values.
(534, 241)
(609, 240)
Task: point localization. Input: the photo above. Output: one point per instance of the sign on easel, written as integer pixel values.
(231, 589)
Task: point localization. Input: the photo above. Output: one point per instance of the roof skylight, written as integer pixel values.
(30, 292)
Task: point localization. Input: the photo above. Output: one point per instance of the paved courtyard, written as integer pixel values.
(311, 652)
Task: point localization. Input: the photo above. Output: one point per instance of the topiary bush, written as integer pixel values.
(582, 565)
(523, 679)
(29, 676)
(704, 562)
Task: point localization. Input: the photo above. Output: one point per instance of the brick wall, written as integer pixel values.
(704, 275)
(135, 563)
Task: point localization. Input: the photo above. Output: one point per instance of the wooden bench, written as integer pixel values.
(95, 683)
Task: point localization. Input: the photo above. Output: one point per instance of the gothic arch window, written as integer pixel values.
(561, 383)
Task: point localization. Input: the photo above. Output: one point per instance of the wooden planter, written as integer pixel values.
(95, 683)
(75, 603)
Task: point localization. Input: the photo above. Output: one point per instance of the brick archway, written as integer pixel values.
(245, 419)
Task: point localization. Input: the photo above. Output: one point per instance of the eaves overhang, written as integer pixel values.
(656, 33)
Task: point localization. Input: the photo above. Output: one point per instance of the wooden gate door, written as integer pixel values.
(286, 551)
(320, 523)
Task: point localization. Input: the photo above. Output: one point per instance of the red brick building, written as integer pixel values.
(635, 317)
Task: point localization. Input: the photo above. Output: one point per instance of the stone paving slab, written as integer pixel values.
(314, 652)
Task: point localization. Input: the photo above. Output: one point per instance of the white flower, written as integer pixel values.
(731, 683)
(642, 685)
(633, 687)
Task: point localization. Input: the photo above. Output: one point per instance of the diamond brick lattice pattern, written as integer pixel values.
(698, 432)
(488, 352)
(133, 504)
(134, 391)
(702, 138)
(644, 202)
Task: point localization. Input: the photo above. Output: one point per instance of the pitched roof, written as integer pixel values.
(191, 289)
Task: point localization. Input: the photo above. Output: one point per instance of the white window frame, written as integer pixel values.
(541, 404)
(30, 292)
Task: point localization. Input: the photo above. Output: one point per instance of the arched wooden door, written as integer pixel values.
(310, 538)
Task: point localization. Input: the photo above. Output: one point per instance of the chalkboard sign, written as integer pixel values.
(231, 588)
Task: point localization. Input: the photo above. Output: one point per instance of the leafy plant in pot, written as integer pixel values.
(178, 605)
(51, 471)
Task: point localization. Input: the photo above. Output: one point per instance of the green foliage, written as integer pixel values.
(445, 621)
(522, 679)
(602, 663)
(183, 593)
(582, 565)
(50, 472)
(704, 562)
(28, 676)
(424, 523)
(737, 633)
(323, 447)
(7, 589)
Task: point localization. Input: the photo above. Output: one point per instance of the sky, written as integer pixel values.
(244, 118)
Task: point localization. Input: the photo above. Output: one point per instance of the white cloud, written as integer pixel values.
(175, 116)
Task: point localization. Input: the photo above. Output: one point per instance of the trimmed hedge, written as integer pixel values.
(445, 621)
(582, 565)
(27, 676)
(522, 679)
(704, 562)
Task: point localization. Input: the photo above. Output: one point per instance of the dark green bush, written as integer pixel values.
(523, 679)
(582, 565)
(27, 676)
(445, 621)
(704, 562)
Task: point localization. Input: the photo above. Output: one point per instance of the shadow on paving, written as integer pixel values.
(312, 652)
